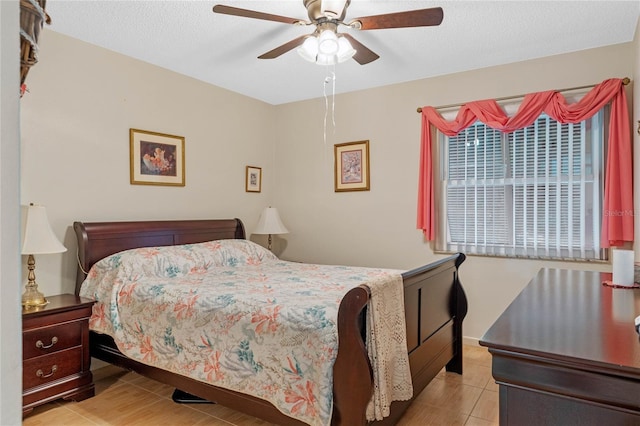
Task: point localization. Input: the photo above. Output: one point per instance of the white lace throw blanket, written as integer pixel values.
(387, 346)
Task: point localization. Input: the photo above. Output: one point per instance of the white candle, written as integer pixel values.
(623, 267)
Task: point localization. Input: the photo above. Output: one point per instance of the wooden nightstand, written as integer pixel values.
(55, 352)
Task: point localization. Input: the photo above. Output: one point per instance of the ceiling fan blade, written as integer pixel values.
(283, 48)
(411, 18)
(363, 55)
(228, 10)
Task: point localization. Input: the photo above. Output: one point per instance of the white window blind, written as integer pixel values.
(536, 192)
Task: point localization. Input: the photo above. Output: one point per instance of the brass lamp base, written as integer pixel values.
(32, 298)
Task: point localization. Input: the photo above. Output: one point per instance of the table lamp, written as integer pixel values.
(270, 223)
(38, 238)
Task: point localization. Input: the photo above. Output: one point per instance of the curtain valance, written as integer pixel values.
(617, 222)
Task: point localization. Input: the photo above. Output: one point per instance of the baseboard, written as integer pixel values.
(471, 341)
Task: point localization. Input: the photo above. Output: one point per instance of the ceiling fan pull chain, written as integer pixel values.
(333, 99)
(330, 78)
(326, 109)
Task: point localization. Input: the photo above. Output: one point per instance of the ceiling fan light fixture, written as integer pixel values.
(309, 49)
(323, 59)
(345, 50)
(328, 42)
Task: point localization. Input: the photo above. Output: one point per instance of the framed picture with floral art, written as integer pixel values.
(351, 166)
(156, 158)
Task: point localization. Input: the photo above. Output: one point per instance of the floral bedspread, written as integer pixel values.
(232, 314)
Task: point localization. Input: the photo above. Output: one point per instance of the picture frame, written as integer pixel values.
(351, 167)
(253, 179)
(156, 158)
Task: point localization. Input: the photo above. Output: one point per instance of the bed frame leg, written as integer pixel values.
(351, 389)
(459, 309)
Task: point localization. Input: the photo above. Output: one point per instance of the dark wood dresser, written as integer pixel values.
(566, 352)
(55, 352)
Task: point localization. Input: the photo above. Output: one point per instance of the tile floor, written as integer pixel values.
(126, 398)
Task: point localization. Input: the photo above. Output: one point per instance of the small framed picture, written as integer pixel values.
(352, 166)
(156, 158)
(254, 179)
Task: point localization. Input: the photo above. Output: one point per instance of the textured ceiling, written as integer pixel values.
(188, 38)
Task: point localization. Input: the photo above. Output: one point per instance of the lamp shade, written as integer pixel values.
(309, 49)
(328, 49)
(38, 237)
(270, 223)
(345, 51)
(328, 42)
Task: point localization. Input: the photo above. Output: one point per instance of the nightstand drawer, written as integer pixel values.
(55, 352)
(51, 339)
(48, 368)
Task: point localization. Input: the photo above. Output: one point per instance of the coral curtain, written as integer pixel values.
(617, 217)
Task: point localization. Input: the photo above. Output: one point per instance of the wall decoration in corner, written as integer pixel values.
(32, 19)
(351, 166)
(156, 158)
(253, 179)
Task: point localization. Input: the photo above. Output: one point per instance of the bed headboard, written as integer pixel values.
(97, 240)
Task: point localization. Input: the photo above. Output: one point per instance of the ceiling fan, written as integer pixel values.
(325, 45)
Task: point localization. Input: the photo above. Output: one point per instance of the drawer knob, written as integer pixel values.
(41, 345)
(41, 374)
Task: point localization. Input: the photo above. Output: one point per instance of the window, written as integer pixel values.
(536, 192)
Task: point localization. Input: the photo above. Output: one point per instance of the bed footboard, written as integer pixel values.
(435, 306)
(352, 373)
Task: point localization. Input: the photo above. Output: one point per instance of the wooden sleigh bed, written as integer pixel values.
(435, 306)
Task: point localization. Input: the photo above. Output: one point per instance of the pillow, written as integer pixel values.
(238, 253)
(180, 260)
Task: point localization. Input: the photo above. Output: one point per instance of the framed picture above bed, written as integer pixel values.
(156, 158)
(253, 179)
(352, 166)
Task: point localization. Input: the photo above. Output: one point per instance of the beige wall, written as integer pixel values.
(75, 160)
(377, 228)
(75, 145)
